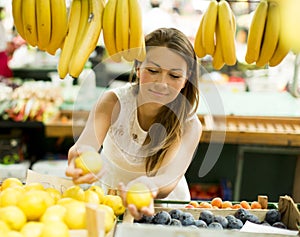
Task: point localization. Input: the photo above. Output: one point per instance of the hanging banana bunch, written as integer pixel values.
(84, 28)
(122, 30)
(41, 23)
(216, 34)
(265, 44)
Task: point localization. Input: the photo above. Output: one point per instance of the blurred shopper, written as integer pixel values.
(157, 17)
(5, 71)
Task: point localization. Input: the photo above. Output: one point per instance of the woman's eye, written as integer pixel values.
(151, 70)
(175, 76)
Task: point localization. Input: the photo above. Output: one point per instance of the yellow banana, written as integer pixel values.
(43, 19)
(198, 42)
(84, 18)
(280, 52)
(256, 31)
(209, 26)
(68, 47)
(122, 25)
(271, 35)
(109, 22)
(17, 17)
(218, 61)
(226, 33)
(136, 30)
(88, 41)
(29, 21)
(59, 25)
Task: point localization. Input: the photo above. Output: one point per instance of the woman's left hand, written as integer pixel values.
(134, 211)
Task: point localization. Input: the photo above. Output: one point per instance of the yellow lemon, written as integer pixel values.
(55, 229)
(99, 191)
(14, 233)
(4, 228)
(54, 213)
(54, 193)
(13, 216)
(34, 186)
(75, 216)
(91, 197)
(89, 161)
(75, 192)
(139, 195)
(109, 217)
(65, 201)
(10, 196)
(32, 229)
(33, 204)
(115, 202)
(10, 182)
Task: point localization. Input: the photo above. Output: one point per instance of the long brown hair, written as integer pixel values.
(173, 115)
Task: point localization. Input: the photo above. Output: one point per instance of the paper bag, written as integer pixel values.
(290, 214)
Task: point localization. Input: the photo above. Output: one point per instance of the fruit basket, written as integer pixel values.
(284, 214)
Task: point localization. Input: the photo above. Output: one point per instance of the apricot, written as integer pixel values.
(194, 203)
(226, 204)
(216, 202)
(245, 204)
(237, 206)
(205, 205)
(255, 205)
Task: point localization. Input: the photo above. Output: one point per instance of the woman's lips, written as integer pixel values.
(157, 93)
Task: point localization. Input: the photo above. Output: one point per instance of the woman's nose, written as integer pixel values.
(163, 77)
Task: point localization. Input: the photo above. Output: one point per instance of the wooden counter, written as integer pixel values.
(277, 131)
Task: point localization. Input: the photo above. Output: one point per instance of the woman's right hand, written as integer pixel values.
(76, 173)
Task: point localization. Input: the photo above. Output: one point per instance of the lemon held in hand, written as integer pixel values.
(139, 195)
(89, 162)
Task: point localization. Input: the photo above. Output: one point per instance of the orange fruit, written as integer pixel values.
(226, 204)
(216, 202)
(245, 204)
(255, 205)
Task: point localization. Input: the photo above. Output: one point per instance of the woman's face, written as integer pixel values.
(162, 75)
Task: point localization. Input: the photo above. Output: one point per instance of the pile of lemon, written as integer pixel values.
(31, 210)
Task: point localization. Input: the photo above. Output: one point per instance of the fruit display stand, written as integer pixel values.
(95, 218)
(290, 216)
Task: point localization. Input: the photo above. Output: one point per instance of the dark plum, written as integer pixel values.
(241, 214)
(187, 219)
(252, 218)
(279, 224)
(215, 225)
(273, 216)
(175, 213)
(200, 224)
(175, 222)
(145, 219)
(222, 220)
(162, 217)
(234, 223)
(207, 216)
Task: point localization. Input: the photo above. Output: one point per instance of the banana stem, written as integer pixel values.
(294, 90)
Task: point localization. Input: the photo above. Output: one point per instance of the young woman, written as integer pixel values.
(148, 128)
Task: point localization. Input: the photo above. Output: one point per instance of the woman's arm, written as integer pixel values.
(100, 118)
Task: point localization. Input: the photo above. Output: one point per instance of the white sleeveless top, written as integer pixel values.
(124, 160)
